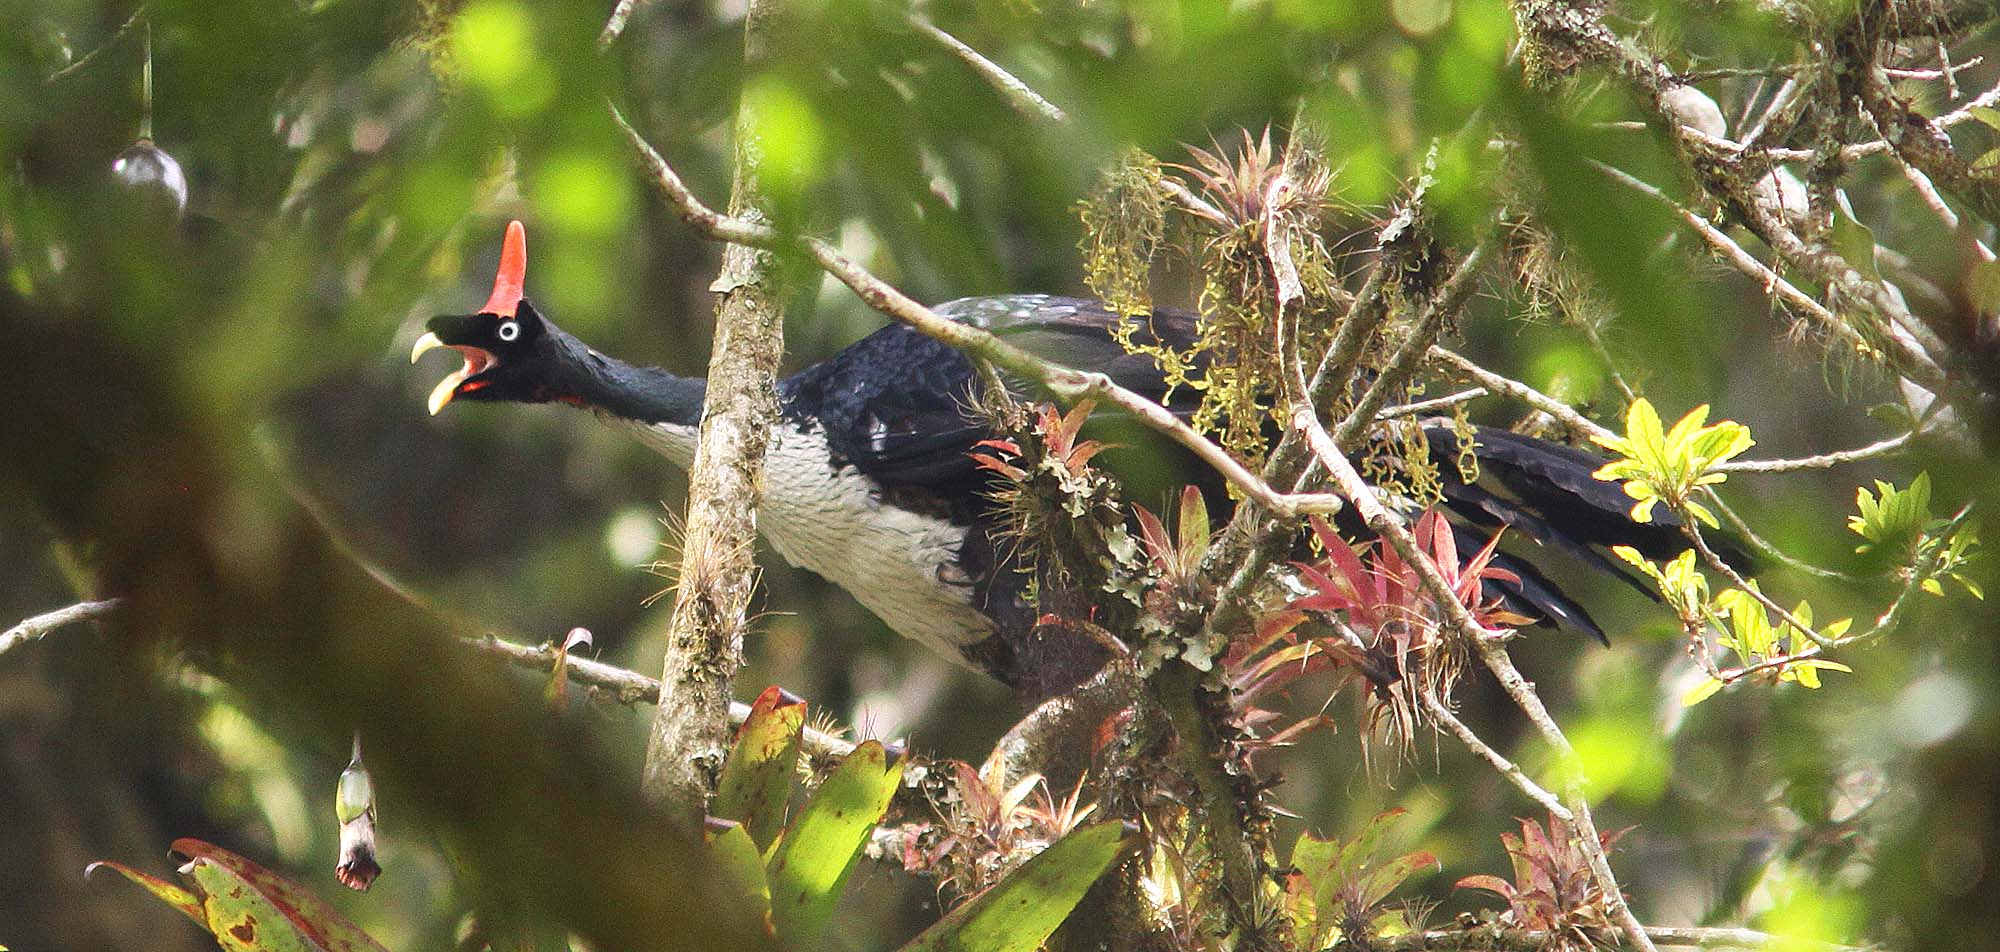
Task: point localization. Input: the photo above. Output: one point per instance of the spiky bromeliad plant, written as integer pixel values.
(1268, 283)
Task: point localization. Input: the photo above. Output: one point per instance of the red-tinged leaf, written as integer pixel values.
(1443, 546)
(756, 783)
(1389, 875)
(188, 903)
(980, 800)
(1492, 884)
(1328, 539)
(1298, 728)
(1333, 595)
(1008, 470)
(315, 921)
(1193, 530)
(1290, 654)
(1072, 422)
(1269, 629)
(1005, 446)
(1079, 456)
(1153, 535)
(1280, 677)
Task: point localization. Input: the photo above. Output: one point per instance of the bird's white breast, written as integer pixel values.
(899, 564)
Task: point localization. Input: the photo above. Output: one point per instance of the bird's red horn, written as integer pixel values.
(513, 276)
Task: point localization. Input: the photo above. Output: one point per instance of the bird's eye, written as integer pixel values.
(509, 330)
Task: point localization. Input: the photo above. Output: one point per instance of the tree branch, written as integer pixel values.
(1493, 653)
(1019, 95)
(614, 26)
(1876, 450)
(690, 734)
(630, 687)
(38, 627)
(1563, 413)
(1065, 383)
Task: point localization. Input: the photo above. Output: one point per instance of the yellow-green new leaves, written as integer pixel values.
(1893, 522)
(1756, 641)
(1742, 622)
(1898, 524)
(1662, 465)
(1681, 584)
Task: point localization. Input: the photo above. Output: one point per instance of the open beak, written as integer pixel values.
(477, 361)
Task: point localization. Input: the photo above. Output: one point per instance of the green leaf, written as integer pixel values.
(188, 903)
(816, 854)
(1854, 240)
(247, 907)
(245, 919)
(756, 780)
(1982, 287)
(1987, 115)
(740, 864)
(1701, 692)
(1971, 586)
(1027, 906)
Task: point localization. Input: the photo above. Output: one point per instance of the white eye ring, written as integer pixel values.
(509, 330)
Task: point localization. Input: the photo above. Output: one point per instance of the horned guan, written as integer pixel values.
(870, 481)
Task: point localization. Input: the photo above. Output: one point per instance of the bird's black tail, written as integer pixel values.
(1547, 492)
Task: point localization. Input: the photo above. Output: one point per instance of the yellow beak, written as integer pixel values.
(427, 342)
(443, 392)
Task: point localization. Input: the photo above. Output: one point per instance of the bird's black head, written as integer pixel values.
(511, 352)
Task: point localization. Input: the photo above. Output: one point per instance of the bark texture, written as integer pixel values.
(690, 730)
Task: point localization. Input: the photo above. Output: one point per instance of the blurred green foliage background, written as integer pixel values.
(349, 166)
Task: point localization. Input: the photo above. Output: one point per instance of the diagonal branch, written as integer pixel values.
(1493, 653)
(33, 629)
(1064, 382)
(1019, 95)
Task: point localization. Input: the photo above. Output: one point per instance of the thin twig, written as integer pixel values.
(1534, 791)
(35, 628)
(1876, 450)
(614, 26)
(1019, 95)
(1434, 404)
(1742, 260)
(86, 59)
(1888, 622)
(1763, 546)
(631, 687)
(1564, 413)
(1693, 533)
(1064, 382)
(1409, 355)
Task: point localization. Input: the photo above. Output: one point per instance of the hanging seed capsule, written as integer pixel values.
(147, 169)
(354, 804)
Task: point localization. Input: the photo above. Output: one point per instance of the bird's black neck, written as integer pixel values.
(642, 394)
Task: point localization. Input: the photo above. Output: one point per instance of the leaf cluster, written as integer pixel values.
(1553, 890)
(1667, 465)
